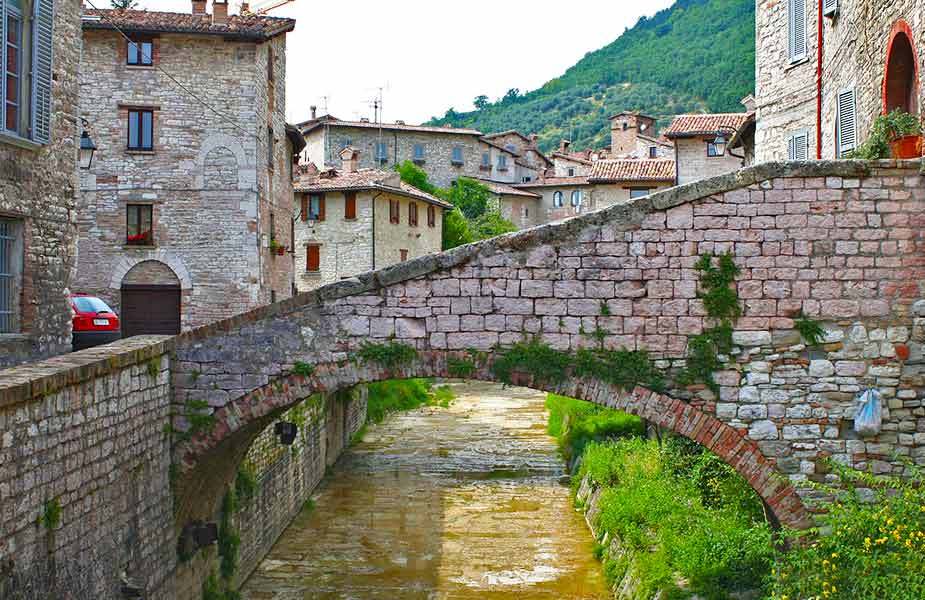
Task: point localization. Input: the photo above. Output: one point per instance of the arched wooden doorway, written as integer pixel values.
(150, 300)
(901, 80)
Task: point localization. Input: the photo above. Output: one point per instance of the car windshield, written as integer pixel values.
(89, 304)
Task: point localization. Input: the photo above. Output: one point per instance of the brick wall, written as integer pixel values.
(37, 190)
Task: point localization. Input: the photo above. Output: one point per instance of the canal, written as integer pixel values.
(466, 502)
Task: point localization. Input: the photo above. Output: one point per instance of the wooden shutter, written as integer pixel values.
(350, 205)
(394, 215)
(846, 122)
(304, 215)
(798, 146)
(313, 258)
(321, 207)
(412, 214)
(41, 70)
(431, 216)
(797, 30)
(829, 7)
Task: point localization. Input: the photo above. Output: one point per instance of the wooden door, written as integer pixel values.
(150, 309)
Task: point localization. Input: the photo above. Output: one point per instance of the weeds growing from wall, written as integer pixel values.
(811, 331)
(390, 355)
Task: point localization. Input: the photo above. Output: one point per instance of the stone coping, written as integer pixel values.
(564, 231)
(32, 380)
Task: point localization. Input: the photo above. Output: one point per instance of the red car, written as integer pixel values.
(94, 322)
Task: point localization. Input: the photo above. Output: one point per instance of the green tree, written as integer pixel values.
(456, 230)
(491, 224)
(480, 102)
(124, 4)
(469, 196)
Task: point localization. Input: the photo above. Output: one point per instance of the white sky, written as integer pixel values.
(430, 55)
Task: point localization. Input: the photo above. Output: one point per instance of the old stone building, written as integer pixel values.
(40, 52)
(635, 135)
(520, 207)
(189, 198)
(351, 220)
(571, 163)
(445, 153)
(700, 145)
(529, 160)
(817, 97)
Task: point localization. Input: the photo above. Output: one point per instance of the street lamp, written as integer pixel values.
(87, 148)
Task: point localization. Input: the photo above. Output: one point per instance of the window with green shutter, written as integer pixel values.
(26, 30)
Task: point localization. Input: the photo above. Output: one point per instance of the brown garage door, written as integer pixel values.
(150, 309)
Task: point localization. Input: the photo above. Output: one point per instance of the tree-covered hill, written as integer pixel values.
(698, 55)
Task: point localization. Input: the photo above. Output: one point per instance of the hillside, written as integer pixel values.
(698, 55)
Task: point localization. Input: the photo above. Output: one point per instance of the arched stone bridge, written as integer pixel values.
(838, 242)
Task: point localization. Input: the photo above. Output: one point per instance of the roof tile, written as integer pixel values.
(632, 170)
(705, 124)
(247, 26)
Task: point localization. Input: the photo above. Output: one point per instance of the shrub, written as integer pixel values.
(578, 423)
(387, 397)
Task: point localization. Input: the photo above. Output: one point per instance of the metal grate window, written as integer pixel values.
(8, 275)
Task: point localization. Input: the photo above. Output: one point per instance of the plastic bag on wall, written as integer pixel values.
(869, 418)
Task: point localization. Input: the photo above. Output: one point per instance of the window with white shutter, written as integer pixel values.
(829, 7)
(798, 146)
(26, 34)
(796, 39)
(846, 123)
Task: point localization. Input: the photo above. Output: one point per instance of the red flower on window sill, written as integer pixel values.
(142, 239)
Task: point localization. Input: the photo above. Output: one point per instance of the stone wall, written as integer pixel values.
(209, 181)
(392, 238)
(594, 197)
(87, 433)
(854, 56)
(37, 191)
(694, 164)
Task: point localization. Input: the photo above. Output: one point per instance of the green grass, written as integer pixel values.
(577, 423)
(387, 397)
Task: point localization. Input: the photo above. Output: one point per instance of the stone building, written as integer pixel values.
(445, 153)
(529, 161)
(38, 162)
(700, 145)
(520, 207)
(351, 220)
(189, 197)
(635, 135)
(817, 98)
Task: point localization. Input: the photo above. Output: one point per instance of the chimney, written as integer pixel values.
(314, 112)
(245, 8)
(199, 7)
(749, 103)
(563, 146)
(533, 139)
(399, 122)
(349, 158)
(219, 12)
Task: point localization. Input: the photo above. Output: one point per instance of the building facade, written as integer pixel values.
(189, 196)
(817, 98)
(38, 163)
(351, 220)
(701, 145)
(520, 207)
(635, 135)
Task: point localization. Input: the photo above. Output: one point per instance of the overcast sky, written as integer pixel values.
(430, 55)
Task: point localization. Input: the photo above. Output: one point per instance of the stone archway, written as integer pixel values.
(901, 79)
(150, 300)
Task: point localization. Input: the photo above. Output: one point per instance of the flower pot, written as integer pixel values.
(907, 146)
(281, 250)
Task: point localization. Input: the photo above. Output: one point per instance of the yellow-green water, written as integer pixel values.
(460, 503)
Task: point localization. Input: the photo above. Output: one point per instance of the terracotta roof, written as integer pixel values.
(632, 170)
(307, 126)
(660, 141)
(497, 187)
(147, 21)
(578, 157)
(554, 181)
(509, 132)
(332, 180)
(707, 124)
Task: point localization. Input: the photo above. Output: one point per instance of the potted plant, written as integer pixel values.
(904, 131)
(277, 248)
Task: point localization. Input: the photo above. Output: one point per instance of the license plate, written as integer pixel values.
(101, 321)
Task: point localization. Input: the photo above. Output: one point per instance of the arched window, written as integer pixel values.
(576, 198)
(557, 199)
(901, 80)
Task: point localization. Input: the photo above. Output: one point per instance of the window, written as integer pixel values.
(403, 254)
(11, 253)
(639, 192)
(576, 198)
(526, 212)
(140, 53)
(502, 162)
(653, 152)
(382, 152)
(625, 125)
(511, 147)
(138, 225)
(798, 146)
(394, 216)
(272, 296)
(486, 159)
(457, 156)
(313, 258)
(527, 179)
(796, 39)
(312, 207)
(557, 199)
(418, 153)
(714, 149)
(846, 123)
(25, 68)
(413, 214)
(571, 171)
(271, 147)
(140, 129)
(431, 216)
(350, 205)
(829, 7)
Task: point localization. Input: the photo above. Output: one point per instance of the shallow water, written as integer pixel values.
(459, 503)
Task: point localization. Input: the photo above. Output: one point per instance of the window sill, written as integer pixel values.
(139, 247)
(14, 337)
(457, 163)
(21, 142)
(502, 169)
(796, 63)
(312, 274)
(418, 161)
(139, 67)
(140, 152)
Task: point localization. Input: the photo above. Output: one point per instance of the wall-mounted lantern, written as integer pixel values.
(87, 148)
(286, 432)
